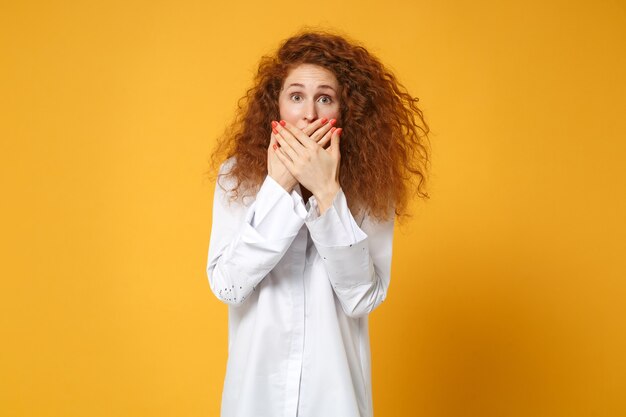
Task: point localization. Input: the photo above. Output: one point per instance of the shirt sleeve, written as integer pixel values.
(247, 242)
(357, 259)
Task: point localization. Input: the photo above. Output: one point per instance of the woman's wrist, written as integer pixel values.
(287, 183)
(325, 197)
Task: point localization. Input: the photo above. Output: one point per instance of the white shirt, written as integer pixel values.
(299, 288)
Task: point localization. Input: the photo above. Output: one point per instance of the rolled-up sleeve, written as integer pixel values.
(357, 259)
(248, 241)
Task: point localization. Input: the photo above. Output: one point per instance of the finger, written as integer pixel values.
(334, 142)
(315, 126)
(323, 130)
(275, 134)
(272, 140)
(296, 133)
(282, 156)
(326, 138)
(286, 139)
(285, 144)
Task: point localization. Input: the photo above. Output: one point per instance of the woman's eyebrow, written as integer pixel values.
(318, 87)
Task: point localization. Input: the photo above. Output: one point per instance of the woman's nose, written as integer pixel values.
(310, 112)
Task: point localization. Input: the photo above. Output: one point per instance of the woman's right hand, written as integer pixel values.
(318, 131)
(277, 170)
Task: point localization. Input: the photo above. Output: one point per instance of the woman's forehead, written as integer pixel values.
(310, 75)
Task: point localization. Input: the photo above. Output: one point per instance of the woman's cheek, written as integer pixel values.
(331, 114)
(294, 118)
(289, 113)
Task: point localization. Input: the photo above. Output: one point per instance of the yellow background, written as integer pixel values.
(508, 287)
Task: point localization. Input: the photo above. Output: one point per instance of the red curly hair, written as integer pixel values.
(384, 152)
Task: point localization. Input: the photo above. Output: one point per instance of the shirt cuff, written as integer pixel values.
(275, 214)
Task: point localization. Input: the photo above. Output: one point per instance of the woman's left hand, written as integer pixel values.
(314, 167)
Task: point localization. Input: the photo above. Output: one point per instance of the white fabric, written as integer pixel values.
(299, 287)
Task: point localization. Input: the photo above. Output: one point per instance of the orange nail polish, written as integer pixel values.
(274, 123)
(324, 120)
(275, 131)
(283, 123)
(275, 147)
(339, 131)
(332, 129)
(333, 121)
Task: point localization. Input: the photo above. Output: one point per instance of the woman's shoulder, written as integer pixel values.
(227, 165)
(224, 177)
(366, 219)
(230, 186)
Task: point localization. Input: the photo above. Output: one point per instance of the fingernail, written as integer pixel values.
(324, 120)
(274, 123)
(333, 121)
(283, 123)
(332, 129)
(339, 131)
(275, 131)
(275, 147)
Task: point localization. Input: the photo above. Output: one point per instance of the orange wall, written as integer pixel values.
(508, 285)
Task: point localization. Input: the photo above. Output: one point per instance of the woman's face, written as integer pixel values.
(310, 92)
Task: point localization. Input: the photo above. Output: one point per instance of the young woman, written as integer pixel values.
(323, 156)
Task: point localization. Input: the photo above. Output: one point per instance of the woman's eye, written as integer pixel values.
(323, 99)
